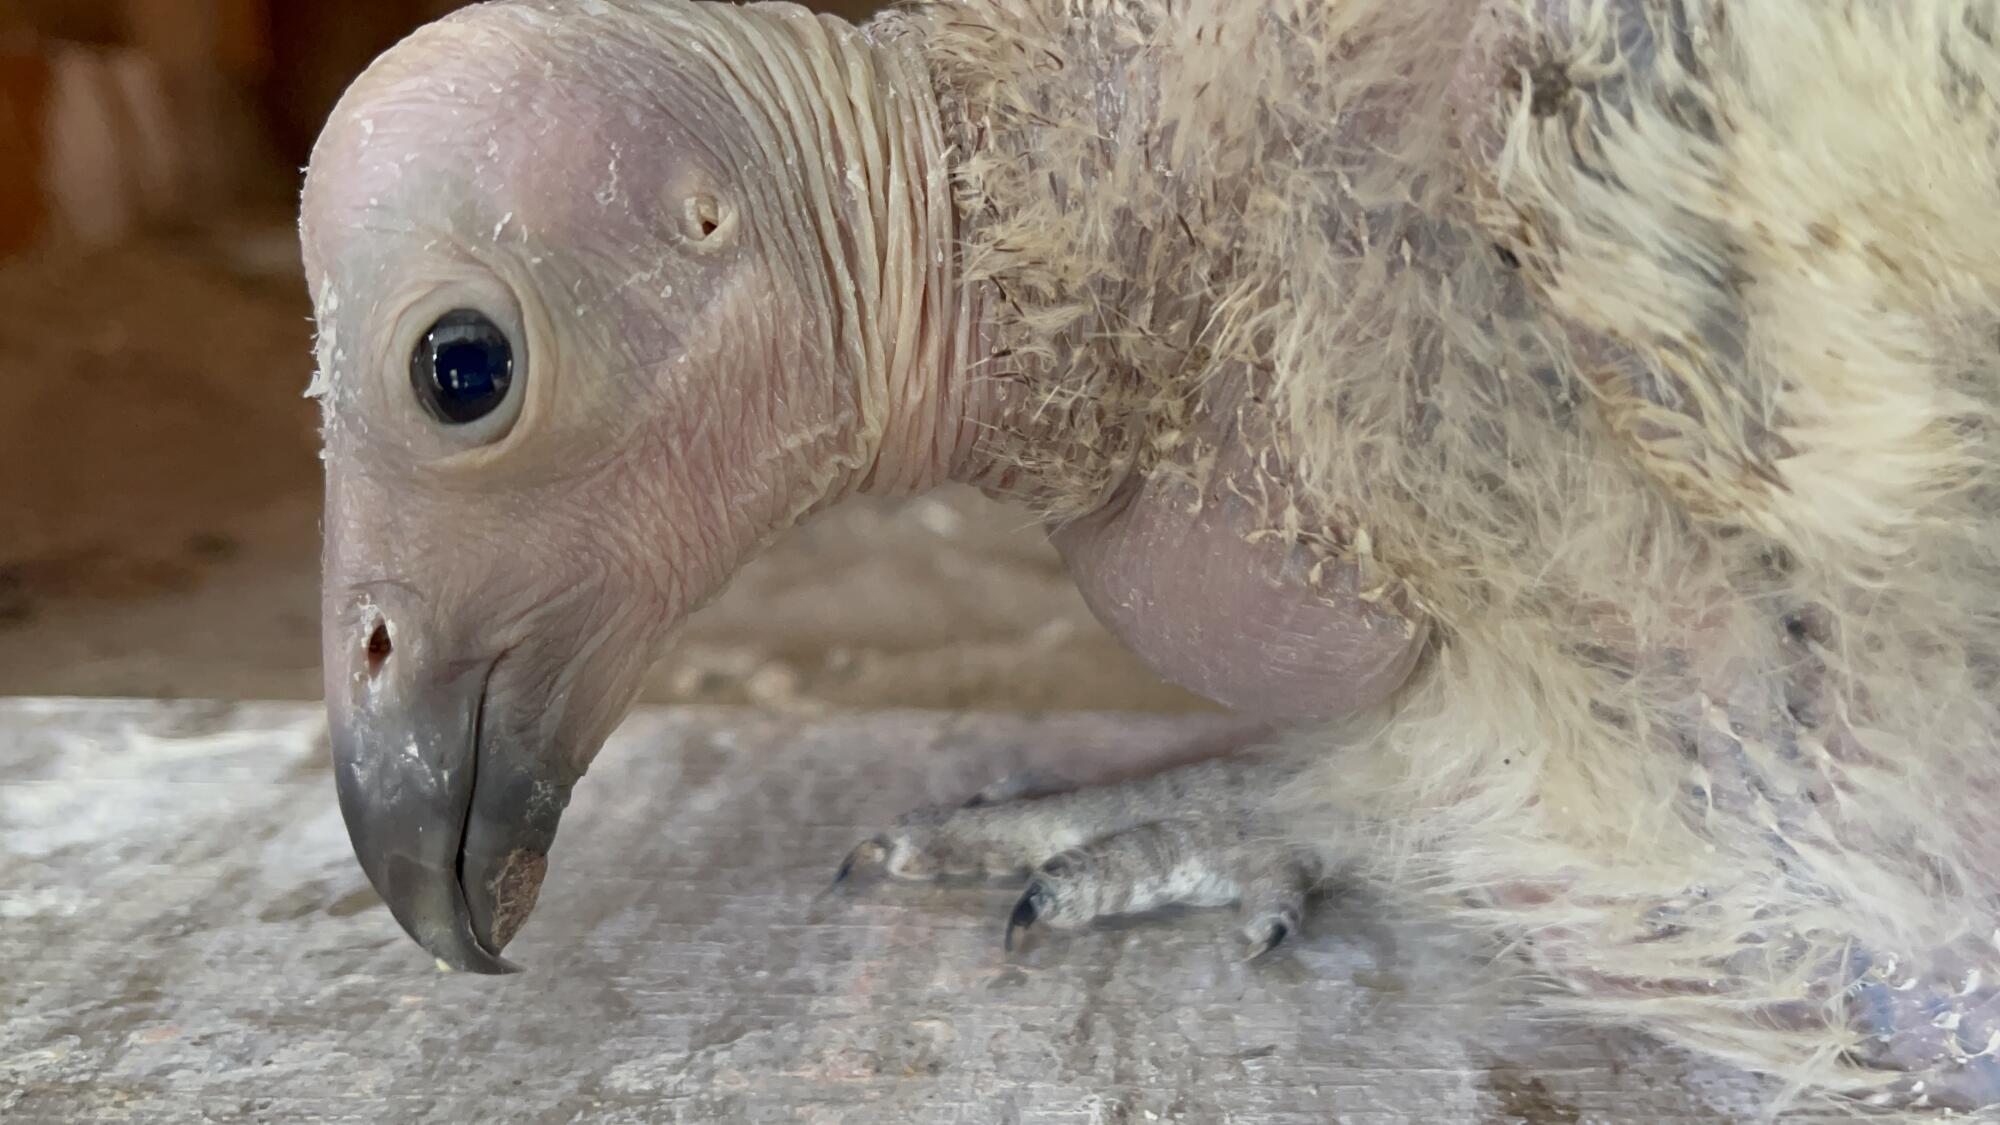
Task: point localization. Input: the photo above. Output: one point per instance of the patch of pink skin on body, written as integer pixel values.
(1195, 583)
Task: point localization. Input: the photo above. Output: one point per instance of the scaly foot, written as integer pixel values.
(1201, 835)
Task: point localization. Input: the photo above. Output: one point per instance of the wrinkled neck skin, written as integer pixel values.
(909, 325)
(916, 339)
(930, 405)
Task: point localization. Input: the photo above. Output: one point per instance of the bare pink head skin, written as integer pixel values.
(719, 244)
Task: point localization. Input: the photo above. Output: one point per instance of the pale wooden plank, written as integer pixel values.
(185, 936)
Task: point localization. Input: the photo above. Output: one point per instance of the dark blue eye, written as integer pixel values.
(462, 368)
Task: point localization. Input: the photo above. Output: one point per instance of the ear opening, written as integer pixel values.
(707, 219)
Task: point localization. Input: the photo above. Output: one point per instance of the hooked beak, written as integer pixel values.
(451, 818)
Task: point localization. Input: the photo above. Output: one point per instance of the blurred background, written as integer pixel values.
(159, 485)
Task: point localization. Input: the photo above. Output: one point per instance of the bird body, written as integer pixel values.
(1572, 418)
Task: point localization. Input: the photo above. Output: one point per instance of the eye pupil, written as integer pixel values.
(463, 368)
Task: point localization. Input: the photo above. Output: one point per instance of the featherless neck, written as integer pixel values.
(862, 112)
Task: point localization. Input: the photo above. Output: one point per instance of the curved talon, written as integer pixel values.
(1279, 932)
(877, 846)
(1025, 912)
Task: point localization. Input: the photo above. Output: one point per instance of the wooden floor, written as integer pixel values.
(185, 936)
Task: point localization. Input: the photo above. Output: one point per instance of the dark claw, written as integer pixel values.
(854, 857)
(1024, 914)
(1279, 932)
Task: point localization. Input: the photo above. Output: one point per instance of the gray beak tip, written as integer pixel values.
(427, 902)
(489, 965)
(459, 863)
(450, 804)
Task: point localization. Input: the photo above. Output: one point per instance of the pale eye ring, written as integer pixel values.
(463, 368)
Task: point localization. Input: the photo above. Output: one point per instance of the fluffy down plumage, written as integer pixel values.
(1646, 348)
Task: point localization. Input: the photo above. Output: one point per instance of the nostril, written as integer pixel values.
(379, 648)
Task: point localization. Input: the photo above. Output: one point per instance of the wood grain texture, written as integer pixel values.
(186, 937)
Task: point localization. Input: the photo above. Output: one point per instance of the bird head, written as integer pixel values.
(608, 295)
